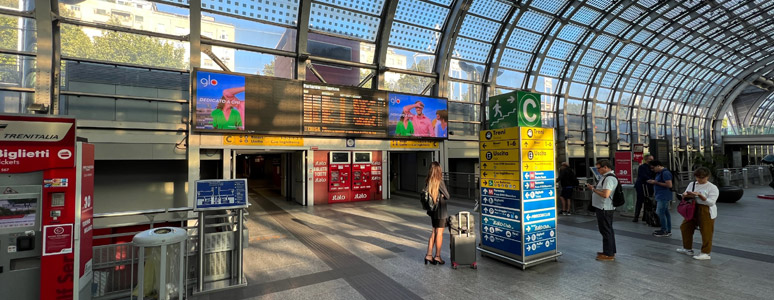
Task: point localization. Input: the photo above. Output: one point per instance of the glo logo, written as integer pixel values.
(208, 81)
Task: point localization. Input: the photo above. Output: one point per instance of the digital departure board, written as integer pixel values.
(344, 111)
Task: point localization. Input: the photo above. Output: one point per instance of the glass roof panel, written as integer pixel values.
(571, 33)
(342, 22)
(442, 2)
(516, 60)
(586, 15)
(479, 28)
(412, 37)
(641, 36)
(609, 79)
(373, 7)
(616, 27)
(492, 9)
(274, 11)
(552, 67)
(421, 14)
(583, 74)
(617, 64)
(632, 13)
(534, 21)
(602, 42)
(560, 49)
(552, 7)
(523, 40)
(601, 4)
(471, 50)
(591, 58)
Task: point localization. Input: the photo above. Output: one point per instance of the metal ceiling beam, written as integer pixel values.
(383, 40)
(458, 10)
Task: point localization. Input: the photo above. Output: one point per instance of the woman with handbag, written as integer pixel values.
(705, 194)
(436, 188)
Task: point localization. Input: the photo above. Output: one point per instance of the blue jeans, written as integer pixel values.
(662, 210)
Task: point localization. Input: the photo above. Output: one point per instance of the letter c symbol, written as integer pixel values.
(530, 117)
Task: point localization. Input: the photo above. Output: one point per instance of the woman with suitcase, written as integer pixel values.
(435, 186)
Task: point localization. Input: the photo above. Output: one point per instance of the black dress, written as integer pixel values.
(439, 216)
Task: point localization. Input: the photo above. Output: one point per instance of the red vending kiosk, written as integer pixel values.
(339, 175)
(46, 192)
(361, 171)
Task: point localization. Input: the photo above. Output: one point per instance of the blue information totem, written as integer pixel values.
(220, 194)
(518, 195)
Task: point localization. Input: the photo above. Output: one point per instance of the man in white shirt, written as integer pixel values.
(602, 201)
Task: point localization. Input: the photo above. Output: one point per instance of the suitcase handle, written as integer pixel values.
(459, 222)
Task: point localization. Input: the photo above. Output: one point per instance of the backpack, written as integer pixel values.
(427, 200)
(617, 195)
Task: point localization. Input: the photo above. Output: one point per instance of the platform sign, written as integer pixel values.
(538, 192)
(503, 144)
(220, 194)
(499, 134)
(499, 155)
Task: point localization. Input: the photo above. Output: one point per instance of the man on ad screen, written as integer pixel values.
(418, 116)
(422, 124)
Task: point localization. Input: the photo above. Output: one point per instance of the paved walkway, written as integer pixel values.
(374, 250)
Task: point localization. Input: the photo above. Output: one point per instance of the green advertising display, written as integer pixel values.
(514, 109)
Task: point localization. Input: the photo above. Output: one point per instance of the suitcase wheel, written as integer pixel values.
(474, 266)
(454, 265)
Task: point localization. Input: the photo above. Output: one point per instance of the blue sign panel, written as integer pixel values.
(503, 193)
(537, 194)
(499, 222)
(533, 216)
(500, 212)
(542, 226)
(221, 194)
(539, 204)
(510, 234)
(509, 203)
(539, 236)
(539, 247)
(538, 185)
(538, 175)
(501, 243)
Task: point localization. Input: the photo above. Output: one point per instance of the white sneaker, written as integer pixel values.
(703, 256)
(685, 251)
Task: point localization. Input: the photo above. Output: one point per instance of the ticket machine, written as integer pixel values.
(339, 167)
(46, 191)
(361, 171)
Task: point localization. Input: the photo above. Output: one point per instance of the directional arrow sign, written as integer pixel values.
(500, 166)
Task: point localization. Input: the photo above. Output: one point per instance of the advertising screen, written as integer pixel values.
(414, 116)
(220, 101)
(252, 104)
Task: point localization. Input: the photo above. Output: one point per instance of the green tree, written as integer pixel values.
(268, 69)
(410, 83)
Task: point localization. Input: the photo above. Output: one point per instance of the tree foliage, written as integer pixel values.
(412, 84)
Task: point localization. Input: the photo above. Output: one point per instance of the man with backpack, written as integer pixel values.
(662, 187)
(602, 201)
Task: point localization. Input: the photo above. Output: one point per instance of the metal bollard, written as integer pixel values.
(745, 180)
(726, 177)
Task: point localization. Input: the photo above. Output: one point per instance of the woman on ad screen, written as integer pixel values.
(228, 113)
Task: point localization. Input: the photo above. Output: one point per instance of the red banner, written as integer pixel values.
(623, 166)
(87, 208)
(637, 151)
(36, 143)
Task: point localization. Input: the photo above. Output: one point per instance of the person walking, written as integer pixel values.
(568, 181)
(641, 185)
(435, 186)
(602, 201)
(662, 187)
(706, 195)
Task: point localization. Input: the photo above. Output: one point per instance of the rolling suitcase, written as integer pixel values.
(649, 209)
(463, 240)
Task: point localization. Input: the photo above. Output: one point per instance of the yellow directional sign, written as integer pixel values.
(528, 155)
(500, 155)
(507, 175)
(537, 166)
(504, 144)
(537, 144)
(499, 134)
(413, 144)
(263, 140)
(501, 184)
(500, 166)
(536, 133)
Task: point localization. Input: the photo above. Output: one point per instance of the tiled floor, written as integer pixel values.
(374, 250)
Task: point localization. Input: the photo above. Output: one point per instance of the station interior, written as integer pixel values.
(280, 149)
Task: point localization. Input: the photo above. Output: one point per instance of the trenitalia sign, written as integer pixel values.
(29, 144)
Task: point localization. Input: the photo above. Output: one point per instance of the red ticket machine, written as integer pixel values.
(46, 192)
(340, 167)
(361, 171)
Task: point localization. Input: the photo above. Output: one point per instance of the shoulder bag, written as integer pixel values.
(687, 206)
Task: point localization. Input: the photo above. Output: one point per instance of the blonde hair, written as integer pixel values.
(434, 178)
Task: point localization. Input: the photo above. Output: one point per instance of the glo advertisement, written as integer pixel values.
(414, 116)
(220, 101)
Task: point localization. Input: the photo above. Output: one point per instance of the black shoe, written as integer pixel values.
(438, 260)
(431, 260)
(635, 220)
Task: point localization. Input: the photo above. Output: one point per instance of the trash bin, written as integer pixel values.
(161, 265)
(630, 194)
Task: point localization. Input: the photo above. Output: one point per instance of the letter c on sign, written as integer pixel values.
(228, 139)
(530, 117)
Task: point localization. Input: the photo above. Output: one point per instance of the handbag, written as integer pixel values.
(427, 201)
(687, 206)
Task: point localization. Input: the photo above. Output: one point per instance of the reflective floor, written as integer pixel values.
(374, 250)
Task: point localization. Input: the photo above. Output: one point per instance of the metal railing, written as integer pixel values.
(752, 175)
(462, 185)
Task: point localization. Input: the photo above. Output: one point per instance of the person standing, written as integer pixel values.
(643, 175)
(438, 192)
(662, 187)
(602, 201)
(422, 124)
(568, 181)
(706, 195)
